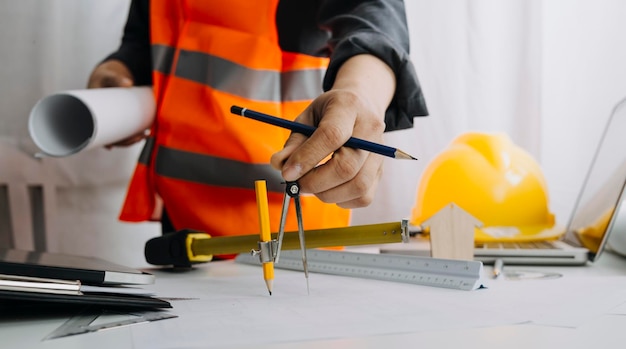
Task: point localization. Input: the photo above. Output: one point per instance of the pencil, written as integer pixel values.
(308, 130)
(497, 267)
(264, 219)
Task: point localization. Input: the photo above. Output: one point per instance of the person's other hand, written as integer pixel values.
(114, 73)
(111, 73)
(350, 176)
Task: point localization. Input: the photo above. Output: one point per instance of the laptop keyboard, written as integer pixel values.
(516, 245)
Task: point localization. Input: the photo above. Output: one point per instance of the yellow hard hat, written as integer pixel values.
(495, 181)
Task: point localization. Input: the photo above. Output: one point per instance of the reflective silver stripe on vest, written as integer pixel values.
(162, 58)
(215, 171)
(299, 85)
(254, 84)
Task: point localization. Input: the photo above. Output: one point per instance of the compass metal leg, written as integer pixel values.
(292, 190)
(302, 242)
(281, 229)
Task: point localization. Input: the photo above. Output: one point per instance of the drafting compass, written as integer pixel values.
(269, 251)
(292, 190)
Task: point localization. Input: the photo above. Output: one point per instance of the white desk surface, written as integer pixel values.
(225, 305)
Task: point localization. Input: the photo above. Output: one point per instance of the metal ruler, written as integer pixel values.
(427, 271)
(83, 322)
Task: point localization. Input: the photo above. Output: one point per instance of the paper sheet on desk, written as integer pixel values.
(619, 310)
(568, 301)
(230, 307)
(233, 309)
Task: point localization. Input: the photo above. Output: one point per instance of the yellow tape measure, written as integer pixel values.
(185, 247)
(348, 236)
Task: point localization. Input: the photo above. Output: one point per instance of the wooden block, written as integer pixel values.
(452, 233)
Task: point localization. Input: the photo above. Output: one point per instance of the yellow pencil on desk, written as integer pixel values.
(266, 236)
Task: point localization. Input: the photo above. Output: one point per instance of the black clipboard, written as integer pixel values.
(62, 276)
(89, 270)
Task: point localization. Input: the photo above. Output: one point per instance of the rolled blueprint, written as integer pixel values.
(71, 121)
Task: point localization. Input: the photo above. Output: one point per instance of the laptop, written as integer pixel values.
(87, 270)
(595, 212)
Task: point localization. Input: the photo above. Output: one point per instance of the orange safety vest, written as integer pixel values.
(200, 159)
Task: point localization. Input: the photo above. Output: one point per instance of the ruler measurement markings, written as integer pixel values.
(409, 269)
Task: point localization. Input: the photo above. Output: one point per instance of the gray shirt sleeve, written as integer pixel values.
(379, 28)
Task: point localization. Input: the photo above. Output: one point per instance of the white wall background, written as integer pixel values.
(53, 45)
(546, 72)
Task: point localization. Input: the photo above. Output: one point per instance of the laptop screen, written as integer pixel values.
(591, 220)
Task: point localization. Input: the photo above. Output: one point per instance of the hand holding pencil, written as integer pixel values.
(350, 175)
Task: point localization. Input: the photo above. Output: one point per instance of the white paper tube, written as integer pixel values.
(67, 122)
